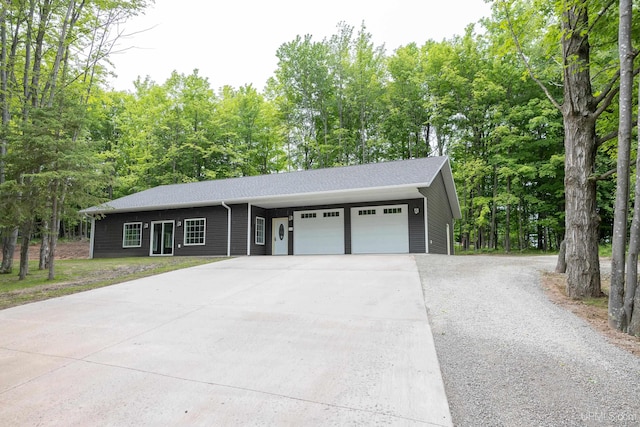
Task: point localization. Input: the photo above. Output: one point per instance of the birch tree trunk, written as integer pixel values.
(632, 291)
(617, 318)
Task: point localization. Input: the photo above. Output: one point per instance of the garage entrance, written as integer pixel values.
(380, 229)
(318, 232)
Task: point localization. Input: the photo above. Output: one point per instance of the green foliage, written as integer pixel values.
(338, 101)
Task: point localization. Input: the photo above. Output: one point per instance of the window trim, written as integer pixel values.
(124, 235)
(204, 231)
(264, 231)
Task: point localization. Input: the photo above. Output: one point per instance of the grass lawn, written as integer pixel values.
(79, 275)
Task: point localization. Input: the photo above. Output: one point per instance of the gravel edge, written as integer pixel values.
(510, 357)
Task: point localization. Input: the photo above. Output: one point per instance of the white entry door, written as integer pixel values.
(380, 229)
(280, 236)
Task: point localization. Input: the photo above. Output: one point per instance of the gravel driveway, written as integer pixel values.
(509, 357)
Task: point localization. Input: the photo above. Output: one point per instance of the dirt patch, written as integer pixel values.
(77, 249)
(593, 311)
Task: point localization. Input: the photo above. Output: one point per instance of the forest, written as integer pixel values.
(510, 101)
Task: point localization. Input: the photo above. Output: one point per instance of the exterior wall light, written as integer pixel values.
(416, 210)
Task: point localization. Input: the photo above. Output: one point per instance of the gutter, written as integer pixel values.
(228, 228)
(249, 229)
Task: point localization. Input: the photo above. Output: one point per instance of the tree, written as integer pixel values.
(407, 123)
(50, 61)
(579, 22)
(618, 316)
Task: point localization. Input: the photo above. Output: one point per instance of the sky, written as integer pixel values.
(234, 42)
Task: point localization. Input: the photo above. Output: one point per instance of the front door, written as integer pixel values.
(162, 238)
(280, 233)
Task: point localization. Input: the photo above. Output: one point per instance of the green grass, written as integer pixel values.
(605, 250)
(83, 274)
(602, 302)
(514, 252)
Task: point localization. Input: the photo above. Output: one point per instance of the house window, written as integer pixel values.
(132, 235)
(308, 215)
(259, 230)
(331, 214)
(388, 211)
(367, 212)
(194, 231)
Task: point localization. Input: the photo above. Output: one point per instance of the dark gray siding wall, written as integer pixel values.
(416, 222)
(439, 215)
(416, 227)
(108, 232)
(239, 229)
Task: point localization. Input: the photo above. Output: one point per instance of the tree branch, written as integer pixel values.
(604, 176)
(613, 81)
(608, 137)
(601, 14)
(526, 62)
(610, 92)
(611, 135)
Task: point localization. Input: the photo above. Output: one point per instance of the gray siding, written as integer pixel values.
(108, 232)
(239, 229)
(439, 215)
(416, 227)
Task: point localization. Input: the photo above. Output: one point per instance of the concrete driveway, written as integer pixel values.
(247, 341)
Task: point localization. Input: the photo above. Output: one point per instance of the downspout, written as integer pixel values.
(249, 229)
(92, 237)
(426, 226)
(224, 205)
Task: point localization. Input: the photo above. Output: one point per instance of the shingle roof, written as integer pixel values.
(403, 173)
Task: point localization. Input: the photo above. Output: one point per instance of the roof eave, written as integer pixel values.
(253, 200)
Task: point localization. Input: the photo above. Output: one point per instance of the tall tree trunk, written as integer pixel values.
(44, 247)
(561, 266)
(9, 242)
(522, 240)
(632, 291)
(578, 111)
(24, 250)
(9, 234)
(507, 221)
(617, 318)
(493, 232)
(57, 201)
(4, 105)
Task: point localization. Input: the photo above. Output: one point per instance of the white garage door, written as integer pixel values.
(318, 232)
(380, 229)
